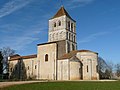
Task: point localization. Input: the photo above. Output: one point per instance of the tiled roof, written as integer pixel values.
(68, 55)
(73, 53)
(50, 42)
(62, 12)
(17, 57)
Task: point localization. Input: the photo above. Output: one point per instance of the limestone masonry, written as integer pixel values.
(58, 59)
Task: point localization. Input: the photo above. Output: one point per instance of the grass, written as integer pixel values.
(83, 85)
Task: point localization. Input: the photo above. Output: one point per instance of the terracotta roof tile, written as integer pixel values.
(73, 53)
(17, 57)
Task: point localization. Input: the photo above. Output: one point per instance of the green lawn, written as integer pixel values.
(83, 85)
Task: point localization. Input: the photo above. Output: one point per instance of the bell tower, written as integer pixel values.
(63, 27)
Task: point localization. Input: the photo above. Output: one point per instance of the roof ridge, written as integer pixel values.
(61, 12)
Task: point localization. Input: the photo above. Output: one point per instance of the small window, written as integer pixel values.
(73, 47)
(28, 67)
(22, 67)
(69, 25)
(67, 35)
(68, 47)
(74, 39)
(11, 69)
(15, 68)
(54, 24)
(87, 68)
(35, 66)
(72, 27)
(59, 23)
(46, 57)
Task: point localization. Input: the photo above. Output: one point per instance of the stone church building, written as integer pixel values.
(58, 59)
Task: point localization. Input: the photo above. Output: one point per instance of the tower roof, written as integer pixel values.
(62, 12)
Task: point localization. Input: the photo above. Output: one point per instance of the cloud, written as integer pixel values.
(12, 6)
(19, 37)
(92, 37)
(78, 3)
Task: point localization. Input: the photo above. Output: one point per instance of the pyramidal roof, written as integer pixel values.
(61, 12)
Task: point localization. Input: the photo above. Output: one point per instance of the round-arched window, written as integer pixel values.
(54, 24)
(59, 23)
(46, 57)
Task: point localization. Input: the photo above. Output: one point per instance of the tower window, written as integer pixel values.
(73, 47)
(74, 38)
(68, 47)
(87, 68)
(59, 23)
(16, 68)
(72, 27)
(67, 35)
(54, 24)
(46, 57)
(35, 66)
(22, 67)
(11, 69)
(28, 67)
(69, 25)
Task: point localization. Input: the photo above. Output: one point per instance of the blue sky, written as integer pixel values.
(24, 24)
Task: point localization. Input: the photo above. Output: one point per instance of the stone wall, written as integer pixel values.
(61, 48)
(47, 69)
(69, 69)
(90, 62)
(23, 69)
(63, 69)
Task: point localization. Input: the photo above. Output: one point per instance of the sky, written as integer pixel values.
(24, 24)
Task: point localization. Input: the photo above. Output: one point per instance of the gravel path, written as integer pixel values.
(5, 84)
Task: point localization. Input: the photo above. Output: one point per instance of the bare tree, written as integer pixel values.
(117, 66)
(105, 68)
(1, 64)
(102, 67)
(6, 52)
(110, 68)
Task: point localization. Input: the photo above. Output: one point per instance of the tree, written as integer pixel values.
(6, 52)
(105, 69)
(102, 67)
(110, 68)
(1, 64)
(117, 66)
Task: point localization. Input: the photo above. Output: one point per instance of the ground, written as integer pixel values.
(66, 85)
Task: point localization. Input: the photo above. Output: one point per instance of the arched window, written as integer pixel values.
(28, 67)
(59, 23)
(67, 35)
(74, 39)
(35, 66)
(11, 69)
(54, 24)
(69, 25)
(46, 57)
(68, 47)
(87, 68)
(73, 47)
(72, 27)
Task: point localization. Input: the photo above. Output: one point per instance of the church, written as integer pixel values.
(57, 59)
